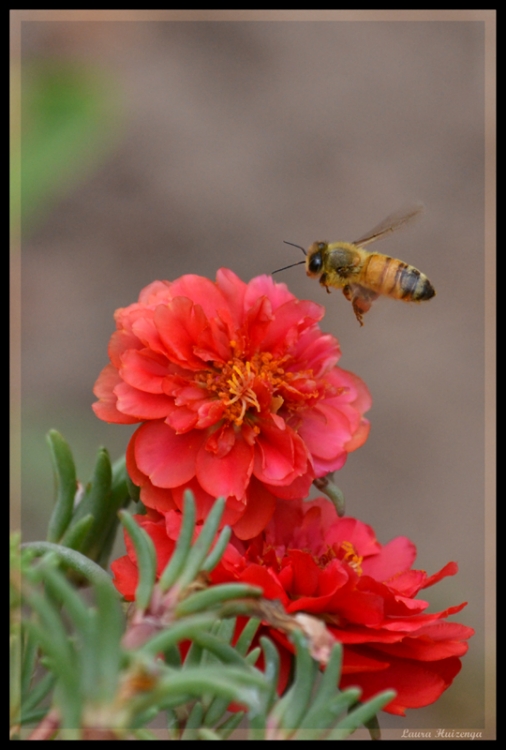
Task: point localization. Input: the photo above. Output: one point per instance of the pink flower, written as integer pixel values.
(238, 394)
(365, 592)
(336, 570)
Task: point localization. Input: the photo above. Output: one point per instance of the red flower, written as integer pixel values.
(238, 394)
(336, 570)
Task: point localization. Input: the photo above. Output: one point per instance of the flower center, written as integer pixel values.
(247, 386)
(350, 556)
(240, 394)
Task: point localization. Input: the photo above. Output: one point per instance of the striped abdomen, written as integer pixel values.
(394, 278)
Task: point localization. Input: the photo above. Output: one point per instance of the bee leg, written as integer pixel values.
(358, 315)
(361, 299)
(323, 282)
(350, 293)
(361, 302)
(347, 292)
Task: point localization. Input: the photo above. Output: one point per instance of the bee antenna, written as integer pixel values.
(294, 245)
(291, 265)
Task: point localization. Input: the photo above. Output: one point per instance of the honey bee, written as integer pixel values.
(364, 275)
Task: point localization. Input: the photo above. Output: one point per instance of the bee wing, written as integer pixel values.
(392, 223)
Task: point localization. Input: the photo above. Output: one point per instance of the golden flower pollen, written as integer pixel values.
(235, 383)
(351, 557)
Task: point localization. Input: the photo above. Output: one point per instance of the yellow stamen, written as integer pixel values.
(236, 383)
(351, 557)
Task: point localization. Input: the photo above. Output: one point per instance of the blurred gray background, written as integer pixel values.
(220, 140)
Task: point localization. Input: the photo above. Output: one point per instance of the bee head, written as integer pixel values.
(314, 261)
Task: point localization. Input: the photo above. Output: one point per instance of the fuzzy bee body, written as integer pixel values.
(363, 275)
(393, 277)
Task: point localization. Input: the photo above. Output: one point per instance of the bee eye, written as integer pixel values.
(315, 263)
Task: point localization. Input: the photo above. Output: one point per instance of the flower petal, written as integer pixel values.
(416, 685)
(166, 458)
(141, 405)
(260, 505)
(125, 576)
(198, 288)
(144, 369)
(280, 455)
(228, 474)
(180, 324)
(106, 406)
(393, 558)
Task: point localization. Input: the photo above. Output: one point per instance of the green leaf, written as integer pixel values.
(224, 629)
(96, 502)
(172, 657)
(146, 559)
(76, 534)
(53, 640)
(215, 708)
(216, 553)
(107, 651)
(207, 734)
(223, 651)
(178, 560)
(271, 664)
(246, 638)
(194, 656)
(373, 727)
(227, 727)
(144, 734)
(133, 490)
(70, 707)
(317, 722)
(214, 596)
(241, 685)
(200, 549)
(145, 717)
(38, 693)
(65, 485)
(74, 561)
(107, 520)
(29, 656)
(258, 716)
(327, 687)
(179, 631)
(172, 724)
(99, 488)
(106, 493)
(253, 655)
(364, 713)
(120, 483)
(51, 636)
(65, 594)
(104, 551)
(15, 662)
(33, 716)
(193, 722)
(290, 710)
(215, 711)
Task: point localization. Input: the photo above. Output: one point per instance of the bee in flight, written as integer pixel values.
(364, 275)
